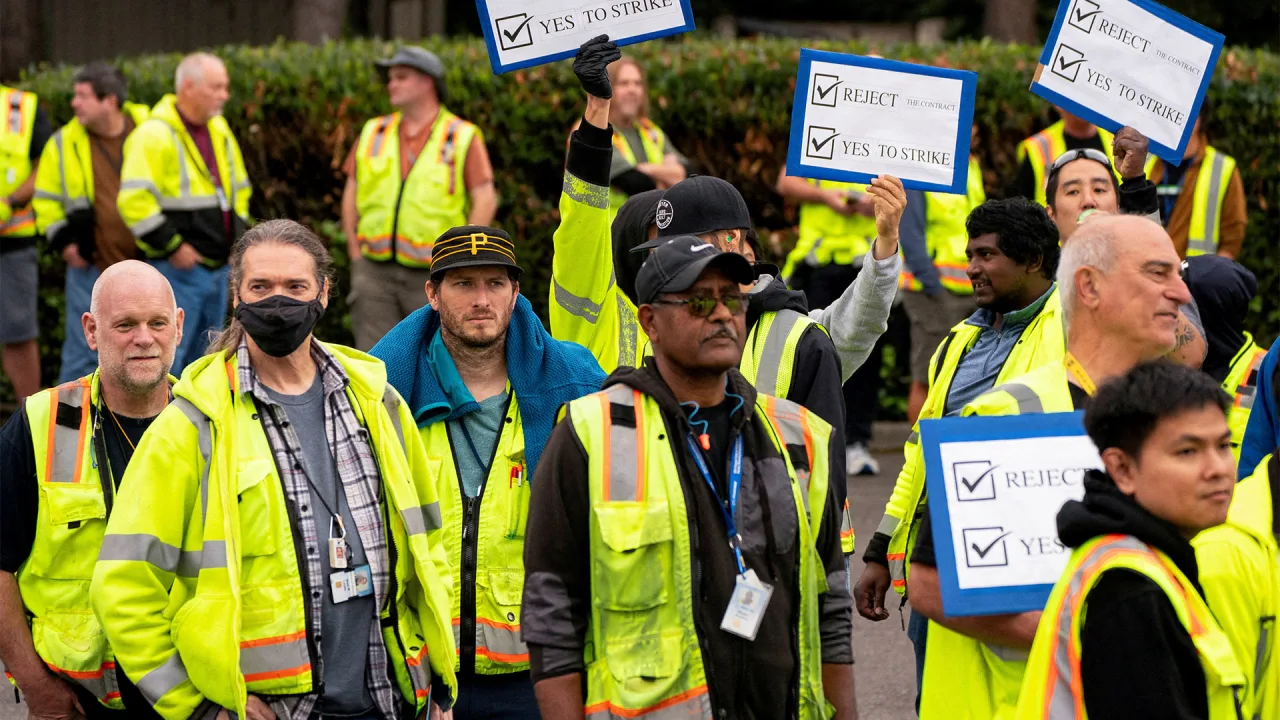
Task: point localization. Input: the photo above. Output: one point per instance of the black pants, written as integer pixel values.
(823, 286)
(136, 706)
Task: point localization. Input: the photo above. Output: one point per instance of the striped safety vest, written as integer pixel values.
(16, 130)
(1241, 384)
(946, 237)
(1212, 182)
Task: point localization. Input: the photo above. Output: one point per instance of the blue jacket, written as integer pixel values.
(1262, 435)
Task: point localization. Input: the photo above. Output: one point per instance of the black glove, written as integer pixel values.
(591, 63)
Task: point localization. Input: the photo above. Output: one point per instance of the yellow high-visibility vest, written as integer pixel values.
(826, 236)
(16, 130)
(654, 142)
(946, 236)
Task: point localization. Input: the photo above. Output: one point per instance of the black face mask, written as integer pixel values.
(279, 324)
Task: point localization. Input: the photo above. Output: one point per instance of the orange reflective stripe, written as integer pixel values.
(512, 627)
(374, 148)
(1249, 379)
(501, 657)
(606, 706)
(82, 442)
(608, 450)
(82, 674)
(275, 674)
(53, 425)
(273, 640)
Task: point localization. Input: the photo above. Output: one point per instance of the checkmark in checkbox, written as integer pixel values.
(514, 31)
(824, 90)
(820, 142)
(984, 547)
(1084, 14)
(1067, 63)
(975, 480)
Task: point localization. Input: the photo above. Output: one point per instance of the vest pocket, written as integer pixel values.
(74, 502)
(70, 640)
(67, 545)
(257, 519)
(646, 666)
(630, 572)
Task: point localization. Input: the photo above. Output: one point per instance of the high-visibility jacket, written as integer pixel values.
(64, 182)
(198, 585)
(1240, 572)
(1041, 342)
(167, 195)
(946, 236)
(485, 536)
(1212, 182)
(654, 143)
(74, 503)
(401, 220)
(16, 130)
(965, 678)
(1048, 145)
(642, 655)
(1241, 384)
(826, 236)
(1239, 564)
(1053, 688)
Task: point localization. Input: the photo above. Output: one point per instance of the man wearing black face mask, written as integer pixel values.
(282, 492)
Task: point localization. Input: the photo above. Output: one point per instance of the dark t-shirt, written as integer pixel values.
(19, 491)
(717, 429)
(41, 131)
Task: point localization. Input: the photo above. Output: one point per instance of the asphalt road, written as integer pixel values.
(885, 668)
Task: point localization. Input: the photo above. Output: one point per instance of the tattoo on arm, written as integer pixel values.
(1185, 334)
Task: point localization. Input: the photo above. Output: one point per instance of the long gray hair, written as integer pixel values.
(281, 232)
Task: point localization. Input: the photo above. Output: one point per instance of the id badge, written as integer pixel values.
(223, 205)
(341, 587)
(746, 606)
(337, 553)
(362, 581)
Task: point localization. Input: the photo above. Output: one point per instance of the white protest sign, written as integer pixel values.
(1129, 62)
(521, 33)
(855, 118)
(995, 489)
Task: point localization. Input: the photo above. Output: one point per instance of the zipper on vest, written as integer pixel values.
(99, 441)
(395, 217)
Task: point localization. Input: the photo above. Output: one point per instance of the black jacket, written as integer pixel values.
(747, 680)
(1136, 659)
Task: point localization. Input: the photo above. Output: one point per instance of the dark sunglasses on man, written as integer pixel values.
(701, 306)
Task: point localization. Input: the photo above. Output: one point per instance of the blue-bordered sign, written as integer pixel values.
(1129, 62)
(855, 117)
(522, 33)
(995, 486)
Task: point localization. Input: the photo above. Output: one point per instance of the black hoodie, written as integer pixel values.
(1136, 659)
(748, 680)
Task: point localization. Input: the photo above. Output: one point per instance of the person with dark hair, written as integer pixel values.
(1202, 201)
(1222, 290)
(1119, 290)
(1035, 153)
(411, 176)
(1013, 255)
(1126, 632)
(484, 379)
(277, 531)
(75, 200)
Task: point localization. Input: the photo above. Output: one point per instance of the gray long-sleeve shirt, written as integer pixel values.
(858, 318)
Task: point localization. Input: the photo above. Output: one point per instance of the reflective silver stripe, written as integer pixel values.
(55, 228)
(575, 305)
(898, 571)
(231, 171)
(184, 179)
(1244, 398)
(74, 204)
(1009, 654)
(391, 401)
(62, 164)
(243, 185)
(46, 195)
(15, 112)
(422, 518)
(775, 345)
(888, 525)
(420, 668)
(628, 334)
(1205, 246)
(140, 547)
(1260, 661)
(377, 137)
(211, 556)
(953, 273)
(189, 203)
(502, 641)
(914, 437)
(141, 184)
(586, 193)
(623, 442)
(66, 440)
(146, 225)
(274, 657)
(1028, 400)
(697, 707)
(204, 435)
(1210, 231)
(157, 683)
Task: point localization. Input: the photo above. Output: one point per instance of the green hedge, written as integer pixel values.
(297, 109)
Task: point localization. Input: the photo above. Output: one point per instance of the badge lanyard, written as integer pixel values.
(735, 486)
(1080, 374)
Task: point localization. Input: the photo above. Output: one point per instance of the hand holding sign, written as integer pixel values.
(1130, 151)
(890, 201)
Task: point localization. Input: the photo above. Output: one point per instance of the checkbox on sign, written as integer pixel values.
(1083, 15)
(975, 480)
(514, 31)
(820, 142)
(984, 547)
(1067, 63)
(824, 90)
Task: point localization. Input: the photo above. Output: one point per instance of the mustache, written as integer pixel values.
(724, 331)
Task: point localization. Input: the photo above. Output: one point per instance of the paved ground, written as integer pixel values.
(885, 668)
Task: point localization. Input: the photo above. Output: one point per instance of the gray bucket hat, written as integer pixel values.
(419, 59)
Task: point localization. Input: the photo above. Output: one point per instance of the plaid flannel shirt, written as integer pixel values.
(358, 472)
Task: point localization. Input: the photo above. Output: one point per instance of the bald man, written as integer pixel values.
(54, 501)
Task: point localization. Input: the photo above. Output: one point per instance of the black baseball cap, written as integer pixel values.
(676, 264)
(700, 204)
(472, 246)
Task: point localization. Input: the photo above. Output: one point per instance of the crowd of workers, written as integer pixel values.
(675, 533)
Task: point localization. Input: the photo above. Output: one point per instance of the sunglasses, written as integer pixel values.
(701, 306)
(1073, 155)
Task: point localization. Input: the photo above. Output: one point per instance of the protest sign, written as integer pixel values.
(521, 33)
(854, 118)
(995, 486)
(1129, 62)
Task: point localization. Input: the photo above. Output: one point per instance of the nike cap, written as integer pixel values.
(675, 264)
